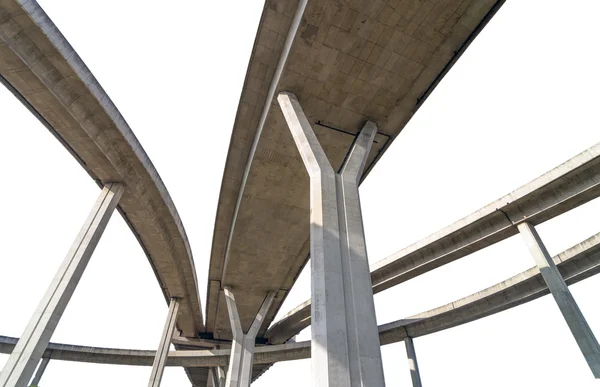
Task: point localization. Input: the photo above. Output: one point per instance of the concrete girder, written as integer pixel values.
(345, 350)
(63, 94)
(571, 184)
(575, 264)
(29, 350)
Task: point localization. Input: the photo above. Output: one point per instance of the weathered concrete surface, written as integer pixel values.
(345, 342)
(38, 65)
(571, 184)
(350, 62)
(21, 364)
(241, 360)
(575, 264)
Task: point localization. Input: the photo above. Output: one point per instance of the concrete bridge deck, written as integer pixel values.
(43, 71)
(347, 62)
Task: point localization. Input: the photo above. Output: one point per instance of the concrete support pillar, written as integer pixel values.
(160, 360)
(40, 372)
(413, 365)
(345, 347)
(33, 342)
(241, 359)
(566, 303)
(218, 376)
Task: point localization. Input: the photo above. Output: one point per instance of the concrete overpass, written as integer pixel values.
(562, 189)
(42, 70)
(348, 63)
(576, 264)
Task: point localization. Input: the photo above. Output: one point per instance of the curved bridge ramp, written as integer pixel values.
(43, 71)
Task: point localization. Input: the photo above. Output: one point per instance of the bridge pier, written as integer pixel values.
(413, 364)
(218, 376)
(345, 347)
(160, 359)
(564, 299)
(33, 342)
(40, 372)
(241, 358)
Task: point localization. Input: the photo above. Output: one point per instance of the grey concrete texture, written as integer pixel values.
(241, 360)
(39, 66)
(345, 350)
(39, 373)
(413, 364)
(21, 364)
(565, 187)
(160, 360)
(583, 334)
(350, 62)
(575, 264)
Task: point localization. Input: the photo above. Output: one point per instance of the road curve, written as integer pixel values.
(44, 72)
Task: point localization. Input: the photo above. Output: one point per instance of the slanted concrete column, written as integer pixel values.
(241, 358)
(33, 342)
(218, 376)
(413, 365)
(562, 295)
(40, 372)
(160, 359)
(345, 347)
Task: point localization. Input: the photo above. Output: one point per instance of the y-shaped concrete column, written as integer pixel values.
(33, 342)
(413, 365)
(241, 359)
(218, 376)
(39, 373)
(562, 295)
(345, 347)
(160, 359)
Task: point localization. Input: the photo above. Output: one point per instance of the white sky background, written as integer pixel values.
(522, 100)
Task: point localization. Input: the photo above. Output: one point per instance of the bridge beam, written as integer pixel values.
(40, 372)
(564, 299)
(413, 364)
(31, 346)
(241, 358)
(345, 341)
(160, 359)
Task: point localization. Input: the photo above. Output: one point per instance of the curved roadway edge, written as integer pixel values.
(567, 186)
(575, 264)
(44, 72)
(337, 77)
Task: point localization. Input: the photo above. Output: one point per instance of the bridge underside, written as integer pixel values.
(350, 62)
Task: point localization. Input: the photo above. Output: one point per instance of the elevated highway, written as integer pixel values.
(576, 264)
(347, 62)
(567, 186)
(44, 72)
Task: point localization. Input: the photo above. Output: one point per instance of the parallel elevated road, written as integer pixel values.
(348, 62)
